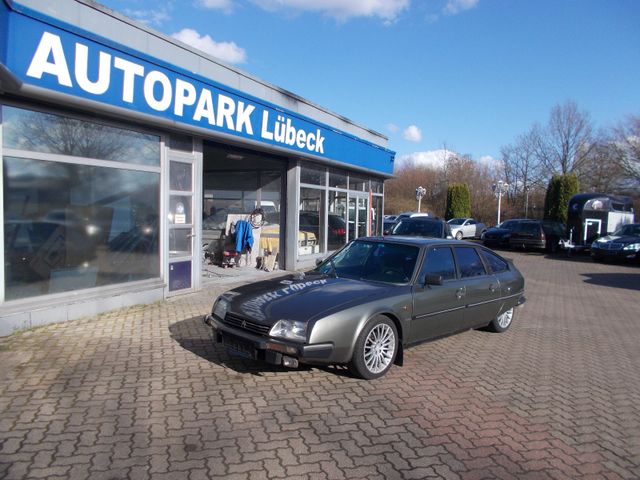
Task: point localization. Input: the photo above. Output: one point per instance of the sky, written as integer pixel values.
(468, 75)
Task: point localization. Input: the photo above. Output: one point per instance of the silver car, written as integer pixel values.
(369, 301)
(466, 228)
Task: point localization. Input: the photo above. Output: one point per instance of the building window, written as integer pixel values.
(49, 133)
(311, 221)
(313, 175)
(336, 214)
(72, 223)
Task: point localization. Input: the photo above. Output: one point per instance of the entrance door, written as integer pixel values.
(592, 230)
(359, 221)
(180, 218)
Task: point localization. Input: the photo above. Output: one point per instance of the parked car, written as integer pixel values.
(389, 223)
(466, 228)
(336, 233)
(623, 244)
(499, 235)
(537, 234)
(366, 303)
(422, 227)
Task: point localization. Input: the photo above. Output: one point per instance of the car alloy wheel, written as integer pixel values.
(502, 322)
(379, 348)
(458, 235)
(376, 348)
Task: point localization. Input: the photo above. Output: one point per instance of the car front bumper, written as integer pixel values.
(271, 350)
(619, 254)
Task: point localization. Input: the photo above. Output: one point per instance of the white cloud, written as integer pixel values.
(342, 10)
(226, 51)
(224, 5)
(454, 7)
(151, 18)
(412, 133)
(392, 127)
(430, 158)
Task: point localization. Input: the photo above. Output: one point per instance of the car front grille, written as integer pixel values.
(611, 246)
(247, 325)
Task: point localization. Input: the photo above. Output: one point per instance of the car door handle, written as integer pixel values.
(460, 292)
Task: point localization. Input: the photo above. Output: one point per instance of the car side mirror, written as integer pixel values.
(386, 232)
(449, 237)
(432, 279)
(319, 261)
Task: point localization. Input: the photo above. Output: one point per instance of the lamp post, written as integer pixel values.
(500, 188)
(526, 201)
(420, 192)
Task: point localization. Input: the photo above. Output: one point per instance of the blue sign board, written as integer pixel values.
(64, 59)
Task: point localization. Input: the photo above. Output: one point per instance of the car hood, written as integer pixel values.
(619, 239)
(302, 299)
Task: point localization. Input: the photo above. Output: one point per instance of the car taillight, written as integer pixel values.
(542, 235)
(339, 231)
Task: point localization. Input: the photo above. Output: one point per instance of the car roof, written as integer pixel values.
(417, 241)
(421, 219)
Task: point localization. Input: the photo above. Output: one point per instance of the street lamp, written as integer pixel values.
(499, 188)
(420, 192)
(526, 201)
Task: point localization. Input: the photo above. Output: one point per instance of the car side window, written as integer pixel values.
(496, 264)
(469, 262)
(439, 261)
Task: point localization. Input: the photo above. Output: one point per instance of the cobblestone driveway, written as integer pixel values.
(143, 393)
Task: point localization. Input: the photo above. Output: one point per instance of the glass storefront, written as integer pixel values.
(332, 214)
(81, 204)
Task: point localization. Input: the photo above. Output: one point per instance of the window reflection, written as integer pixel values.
(73, 226)
(311, 219)
(49, 133)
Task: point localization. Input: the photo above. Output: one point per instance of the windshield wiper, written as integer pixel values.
(333, 268)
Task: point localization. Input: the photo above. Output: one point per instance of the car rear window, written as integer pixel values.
(531, 228)
(496, 264)
(419, 228)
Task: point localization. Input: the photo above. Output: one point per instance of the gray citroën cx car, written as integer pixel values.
(367, 302)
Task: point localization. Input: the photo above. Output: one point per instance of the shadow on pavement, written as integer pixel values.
(193, 335)
(629, 281)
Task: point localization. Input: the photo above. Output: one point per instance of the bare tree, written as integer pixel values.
(627, 139)
(523, 170)
(563, 146)
(602, 170)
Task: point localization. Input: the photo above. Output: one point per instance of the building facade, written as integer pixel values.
(129, 159)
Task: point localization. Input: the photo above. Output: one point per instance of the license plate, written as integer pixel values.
(239, 348)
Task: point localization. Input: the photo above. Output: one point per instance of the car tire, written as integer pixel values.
(458, 235)
(376, 348)
(503, 321)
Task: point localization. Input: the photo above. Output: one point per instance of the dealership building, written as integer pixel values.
(131, 162)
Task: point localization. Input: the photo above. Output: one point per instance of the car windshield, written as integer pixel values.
(373, 261)
(418, 228)
(628, 230)
(456, 221)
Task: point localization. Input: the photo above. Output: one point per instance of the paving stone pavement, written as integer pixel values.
(144, 393)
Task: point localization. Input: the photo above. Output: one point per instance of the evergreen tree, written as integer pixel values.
(458, 201)
(561, 188)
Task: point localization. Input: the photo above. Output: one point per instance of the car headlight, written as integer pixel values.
(220, 308)
(632, 246)
(290, 329)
